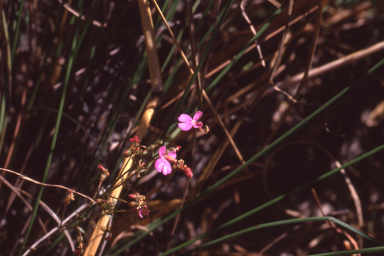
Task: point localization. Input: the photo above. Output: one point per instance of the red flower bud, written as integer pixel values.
(188, 172)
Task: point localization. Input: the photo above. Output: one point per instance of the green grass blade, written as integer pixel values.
(15, 39)
(284, 222)
(3, 120)
(3, 106)
(352, 252)
(85, 29)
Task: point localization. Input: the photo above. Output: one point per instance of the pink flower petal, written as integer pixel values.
(198, 125)
(162, 151)
(167, 169)
(185, 126)
(159, 164)
(185, 118)
(172, 154)
(197, 115)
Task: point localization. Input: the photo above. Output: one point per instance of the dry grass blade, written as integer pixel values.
(15, 190)
(172, 36)
(150, 45)
(83, 17)
(228, 61)
(19, 182)
(56, 218)
(332, 66)
(229, 137)
(242, 4)
(195, 54)
(333, 225)
(48, 185)
(82, 207)
(305, 77)
(16, 131)
(220, 151)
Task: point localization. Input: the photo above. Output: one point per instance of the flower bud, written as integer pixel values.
(188, 172)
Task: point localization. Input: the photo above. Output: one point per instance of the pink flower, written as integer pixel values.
(187, 122)
(162, 164)
(143, 212)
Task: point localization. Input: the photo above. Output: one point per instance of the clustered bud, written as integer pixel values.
(107, 207)
(139, 204)
(70, 197)
(187, 171)
(80, 246)
(104, 174)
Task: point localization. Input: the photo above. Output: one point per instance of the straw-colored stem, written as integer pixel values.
(155, 74)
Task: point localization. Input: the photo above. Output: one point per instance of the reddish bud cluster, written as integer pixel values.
(135, 139)
(187, 171)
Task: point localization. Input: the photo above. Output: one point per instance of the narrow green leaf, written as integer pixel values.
(284, 222)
